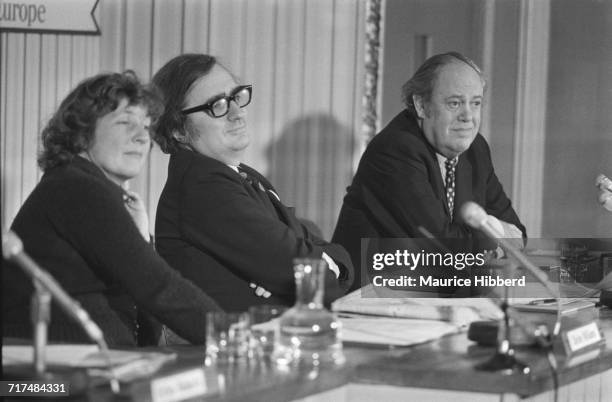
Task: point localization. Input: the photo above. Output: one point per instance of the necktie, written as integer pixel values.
(449, 183)
(251, 180)
(257, 190)
(256, 184)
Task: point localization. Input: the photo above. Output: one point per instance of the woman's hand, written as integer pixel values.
(136, 208)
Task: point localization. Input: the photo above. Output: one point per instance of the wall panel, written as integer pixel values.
(64, 77)
(196, 24)
(317, 104)
(531, 105)
(288, 100)
(260, 57)
(38, 71)
(112, 26)
(167, 35)
(139, 20)
(12, 169)
(359, 57)
(31, 108)
(3, 123)
(227, 33)
(48, 79)
(341, 127)
(578, 123)
(78, 59)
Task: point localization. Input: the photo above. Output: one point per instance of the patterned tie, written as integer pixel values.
(449, 183)
(251, 180)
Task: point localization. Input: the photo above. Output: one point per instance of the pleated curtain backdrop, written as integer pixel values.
(304, 58)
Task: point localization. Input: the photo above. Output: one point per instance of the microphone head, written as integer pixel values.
(473, 214)
(11, 245)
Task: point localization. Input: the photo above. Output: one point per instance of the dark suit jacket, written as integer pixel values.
(227, 234)
(76, 226)
(398, 187)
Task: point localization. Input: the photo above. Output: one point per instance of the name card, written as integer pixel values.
(178, 387)
(52, 16)
(583, 337)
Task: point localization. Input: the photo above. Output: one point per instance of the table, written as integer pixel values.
(439, 370)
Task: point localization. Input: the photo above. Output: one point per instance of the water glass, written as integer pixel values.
(263, 327)
(227, 337)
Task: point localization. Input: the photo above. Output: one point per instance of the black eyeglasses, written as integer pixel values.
(220, 106)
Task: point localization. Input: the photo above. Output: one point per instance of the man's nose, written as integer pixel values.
(235, 111)
(466, 113)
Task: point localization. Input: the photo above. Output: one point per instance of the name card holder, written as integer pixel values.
(170, 385)
(580, 332)
(178, 387)
(582, 338)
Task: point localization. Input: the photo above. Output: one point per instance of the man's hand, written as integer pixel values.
(510, 232)
(605, 199)
(138, 212)
(605, 191)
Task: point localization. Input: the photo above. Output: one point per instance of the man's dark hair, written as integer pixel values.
(422, 82)
(71, 129)
(174, 80)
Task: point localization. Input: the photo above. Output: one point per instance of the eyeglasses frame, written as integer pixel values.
(207, 107)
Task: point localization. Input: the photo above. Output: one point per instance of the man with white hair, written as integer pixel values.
(429, 160)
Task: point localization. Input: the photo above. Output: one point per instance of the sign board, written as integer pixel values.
(584, 337)
(49, 16)
(179, 387)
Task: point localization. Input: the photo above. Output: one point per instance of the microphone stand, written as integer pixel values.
(504, 359)
(40, 316)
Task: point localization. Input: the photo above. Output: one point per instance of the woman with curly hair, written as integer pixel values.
(91, 233)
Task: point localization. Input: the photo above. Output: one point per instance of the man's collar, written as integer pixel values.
(442, 159)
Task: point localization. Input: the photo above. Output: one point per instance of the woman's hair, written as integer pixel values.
(71, 129)
(422, 82)
(173, 81)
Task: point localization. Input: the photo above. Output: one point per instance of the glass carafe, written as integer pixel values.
(308, 333)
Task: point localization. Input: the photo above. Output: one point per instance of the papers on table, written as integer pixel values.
(126, 365)
(403, 320)
(460, 312)
(56, 355)
(568, 305)
(393, 331)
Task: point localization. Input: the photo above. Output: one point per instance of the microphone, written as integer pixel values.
(605, 186)
(479, 331)
(477, 218)
(12, 250)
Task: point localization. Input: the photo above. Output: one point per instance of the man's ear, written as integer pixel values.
(419, 106)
